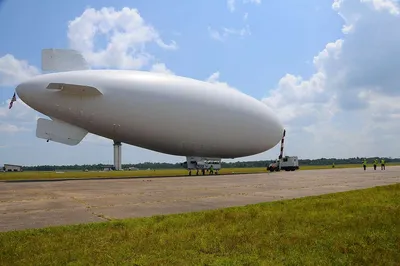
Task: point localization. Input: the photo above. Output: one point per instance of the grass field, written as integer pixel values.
(357, 227)
(33, 175)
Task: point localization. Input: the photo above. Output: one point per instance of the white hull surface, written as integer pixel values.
(164, 113)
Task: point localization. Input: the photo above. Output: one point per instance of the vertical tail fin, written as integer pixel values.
(59, 60)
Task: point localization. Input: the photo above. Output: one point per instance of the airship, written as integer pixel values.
(165, 113)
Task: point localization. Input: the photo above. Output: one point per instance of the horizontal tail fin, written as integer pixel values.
(81, 90)
(60, 132)
(59, 60)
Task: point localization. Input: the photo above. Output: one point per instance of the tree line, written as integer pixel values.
(239, 164)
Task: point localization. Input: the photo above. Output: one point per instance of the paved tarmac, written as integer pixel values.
(48, 203)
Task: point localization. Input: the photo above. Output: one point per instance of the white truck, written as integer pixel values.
(202, 164)
(287, 163)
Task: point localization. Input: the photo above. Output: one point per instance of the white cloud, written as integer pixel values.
(7, 128)
(224, 33)
(125, 35)
(19, 118)
(231, 5)
(214, 78)
(161, 68)
(252, 2)
(14, 71)
(348, 107)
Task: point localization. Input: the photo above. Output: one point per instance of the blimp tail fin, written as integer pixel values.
(59, 60)
(60, 132)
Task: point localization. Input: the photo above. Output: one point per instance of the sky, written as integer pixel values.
(329, 69)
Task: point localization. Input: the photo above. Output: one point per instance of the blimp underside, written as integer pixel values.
(164, 113)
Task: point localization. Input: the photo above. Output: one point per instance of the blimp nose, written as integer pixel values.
(280, 126)
(28, 91)
(22, 91)
(276, 129)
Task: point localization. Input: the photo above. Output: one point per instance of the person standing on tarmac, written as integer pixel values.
(383, 164)
(375, 163)
(211, 169)
(365, 164)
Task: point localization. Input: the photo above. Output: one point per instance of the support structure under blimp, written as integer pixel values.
(117, 155)
(201, 121)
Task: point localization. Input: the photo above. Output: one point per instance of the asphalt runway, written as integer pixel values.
(48, 203)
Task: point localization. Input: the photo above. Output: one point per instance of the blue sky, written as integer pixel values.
(285, 38)
(295, 57)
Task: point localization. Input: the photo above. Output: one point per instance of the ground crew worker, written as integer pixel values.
(375, 163)
(383, 164)
(333, 165)
(211, 169)
(365, 164)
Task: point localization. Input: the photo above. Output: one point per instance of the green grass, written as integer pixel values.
(359, 228)
(33, 175)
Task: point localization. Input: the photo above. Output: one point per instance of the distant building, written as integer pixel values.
(12, 168)
(109, 168)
